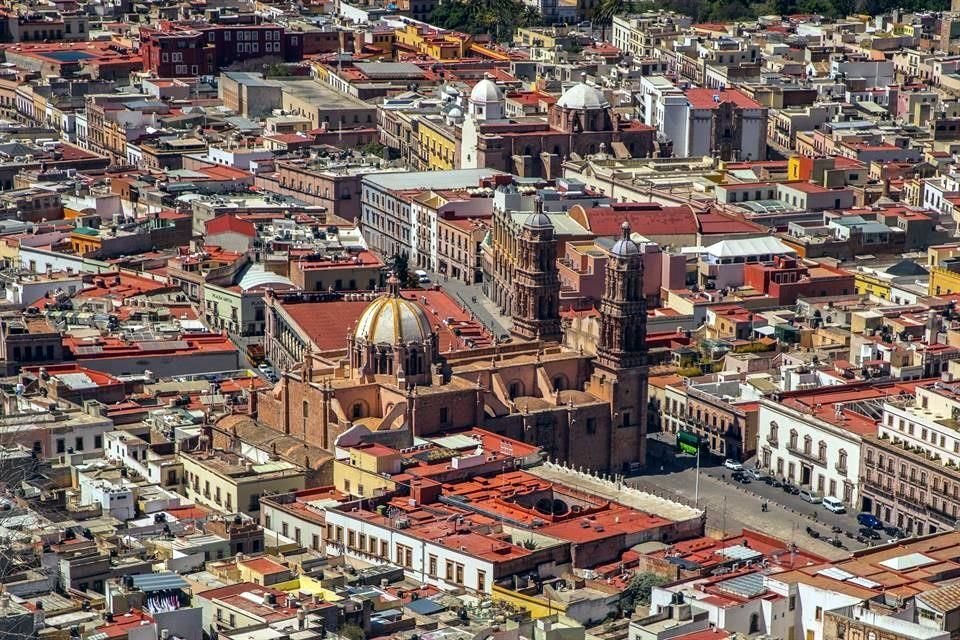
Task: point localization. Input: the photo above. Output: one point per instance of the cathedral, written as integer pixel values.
(390, 379)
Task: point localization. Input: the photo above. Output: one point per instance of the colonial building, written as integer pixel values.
(911, 467)
(582, 121)
(402, 370)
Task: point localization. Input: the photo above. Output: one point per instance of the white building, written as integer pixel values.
(721, 264)
(423, 560)
(115, 496)
(813, 440)
(237, 157)
(707, 122)
(752, 611)
(486, 103)
(28, 289)
(925, 423)
(385, 207)
(876, 73)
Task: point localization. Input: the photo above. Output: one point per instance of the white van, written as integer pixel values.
(833, 504)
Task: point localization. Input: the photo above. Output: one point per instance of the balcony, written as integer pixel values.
(773, 442)
(842, 470)
(808, 456)
(940, 515)
(878, 490)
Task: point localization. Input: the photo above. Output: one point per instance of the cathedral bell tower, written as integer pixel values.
(536, 286)
(620, 368)
(623, 308)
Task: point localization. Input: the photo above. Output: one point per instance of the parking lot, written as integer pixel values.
(732, 505)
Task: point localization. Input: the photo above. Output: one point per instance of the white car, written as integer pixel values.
(733, 465)
(833, 504)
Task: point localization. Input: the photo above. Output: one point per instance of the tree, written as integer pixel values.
(373, 149)
(352, 632)
(400, 267)
(607, 9)
(637, 593)
(498, 18)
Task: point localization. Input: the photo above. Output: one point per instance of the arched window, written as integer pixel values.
(842, 460)
(516, 389)
(793, 438)
(807, 444)
(822, 450)
(774, 435)
(358, 411)
(559, 383)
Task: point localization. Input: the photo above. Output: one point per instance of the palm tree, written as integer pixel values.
(606, 10)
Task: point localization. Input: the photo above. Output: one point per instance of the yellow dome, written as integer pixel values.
(391, 319)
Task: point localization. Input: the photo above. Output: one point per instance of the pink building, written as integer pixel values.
(581, 269)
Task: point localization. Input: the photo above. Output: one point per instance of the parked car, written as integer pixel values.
(810, 496)
(895, 532)
(869, 520)
(422, 276)
(833, 504)
(773, 482)
(730, 463)
(869, 534)
(758, 474)
(792, 489)
(741, 477)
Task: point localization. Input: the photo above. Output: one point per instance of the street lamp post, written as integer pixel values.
(696, 489)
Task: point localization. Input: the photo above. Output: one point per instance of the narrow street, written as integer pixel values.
(471, 296)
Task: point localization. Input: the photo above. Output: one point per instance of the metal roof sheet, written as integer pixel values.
(158, 581)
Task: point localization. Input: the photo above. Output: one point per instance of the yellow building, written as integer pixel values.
(263, 570)
(10, 252)
(866, 283)
(943, 281)
(85, 240)
(231, 483)
(366, 472)
(938, 253)
(438, 145)
(426, 41)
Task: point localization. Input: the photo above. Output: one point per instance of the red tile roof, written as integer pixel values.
(717, 223)
(712, 98)
(224, 224)
(316, 318)
(644, 218)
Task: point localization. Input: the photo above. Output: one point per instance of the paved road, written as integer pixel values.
(731, 506)
(471, 296)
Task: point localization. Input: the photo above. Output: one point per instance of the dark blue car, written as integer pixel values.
(869, 520)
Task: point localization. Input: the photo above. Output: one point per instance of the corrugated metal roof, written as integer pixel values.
(158, 581)
(748, 247)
